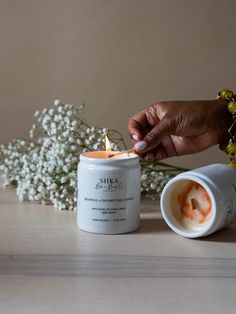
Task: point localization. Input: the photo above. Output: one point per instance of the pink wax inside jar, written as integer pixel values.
(195, 203)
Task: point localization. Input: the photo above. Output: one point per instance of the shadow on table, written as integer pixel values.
(225, 235)
(152, 225)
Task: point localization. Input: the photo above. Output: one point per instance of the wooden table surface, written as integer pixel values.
(47, 265)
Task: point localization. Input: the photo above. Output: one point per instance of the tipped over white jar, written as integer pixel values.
(217, 185)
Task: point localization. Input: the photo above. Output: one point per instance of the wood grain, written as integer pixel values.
(117, 266)
(47, 265)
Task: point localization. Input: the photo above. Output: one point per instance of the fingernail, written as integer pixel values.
(135, 137)
(140, 145)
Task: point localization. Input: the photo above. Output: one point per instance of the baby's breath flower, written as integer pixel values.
(44, 169)
(56, 102)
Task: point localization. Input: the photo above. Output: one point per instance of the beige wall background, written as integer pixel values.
(114, 55)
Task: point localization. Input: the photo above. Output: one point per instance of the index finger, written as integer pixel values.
(136, 126)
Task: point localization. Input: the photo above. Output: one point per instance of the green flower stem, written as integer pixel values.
(161, 166)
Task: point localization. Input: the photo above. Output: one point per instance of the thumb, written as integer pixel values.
(152, 139)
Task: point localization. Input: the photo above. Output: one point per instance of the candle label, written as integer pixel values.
(106, 198)
(109, 184)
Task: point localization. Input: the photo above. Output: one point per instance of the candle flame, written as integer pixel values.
(108, 144)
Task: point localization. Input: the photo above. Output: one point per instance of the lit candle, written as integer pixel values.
(199, 202)
(108, 153)
(108, 191)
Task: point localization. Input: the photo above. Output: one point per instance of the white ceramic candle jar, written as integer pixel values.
(199, 202)
(108, 193)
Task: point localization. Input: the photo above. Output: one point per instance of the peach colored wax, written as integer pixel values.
(99, 154)
(195, 203)
(109, 155)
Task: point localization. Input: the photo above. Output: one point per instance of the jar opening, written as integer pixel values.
(187, 206)
(108, 155)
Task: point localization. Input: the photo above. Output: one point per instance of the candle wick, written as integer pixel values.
(121, 153)
(193, 203)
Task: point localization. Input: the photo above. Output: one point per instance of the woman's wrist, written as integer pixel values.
(224, 120)
(228, 145)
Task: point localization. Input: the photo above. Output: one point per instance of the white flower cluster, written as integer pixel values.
(155, 176)
(44, 169)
